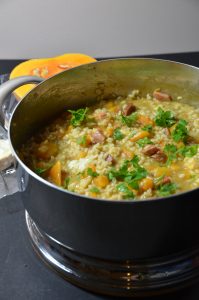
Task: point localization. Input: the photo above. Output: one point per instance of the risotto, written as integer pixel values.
(132, 148)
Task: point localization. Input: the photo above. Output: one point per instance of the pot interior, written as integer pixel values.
(86, 84)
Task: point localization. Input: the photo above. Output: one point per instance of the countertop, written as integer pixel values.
(22, 275)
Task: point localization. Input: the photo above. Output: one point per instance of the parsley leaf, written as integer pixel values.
(40, 171)
(167, 189)
(92, 173)
(139, 173)
(129, 120)
(164, 118)
(171, 152)
(188, 151)
(144, 141)
(78, 116)
(170, 148)
(123, 188)
(112, 174)
(135, 161)
(117, 134)
(123, 169)
(180, 133)
(119, 174)
(94, 189)
(132, 183)
(66, 182)
(130, 177)
(158, 180)
(148, 128)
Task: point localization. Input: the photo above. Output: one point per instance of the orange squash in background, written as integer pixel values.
(47, 67)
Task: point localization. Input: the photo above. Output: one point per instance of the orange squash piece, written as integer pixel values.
(145, 120)
(139, 135)
(47, 67)
(146, 183)
(55, 173)
(127, 152)
(101, 181)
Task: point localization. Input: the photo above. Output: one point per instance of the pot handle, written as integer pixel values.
(8, 167)
(8, 87)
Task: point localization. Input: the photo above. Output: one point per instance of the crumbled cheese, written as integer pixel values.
(79, 165)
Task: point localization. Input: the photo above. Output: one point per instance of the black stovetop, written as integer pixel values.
(22, 275)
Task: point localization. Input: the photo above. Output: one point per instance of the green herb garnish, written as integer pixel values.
(144, 141)
(92, 173)
(112, 174)
(66, 183)
(180, 133)
(188, 151)
(148, 128)
(117, 134)
(94, 189)
(132, 182)
(164, 118)
(135, 161)
(170, 148)
(131, 177)
(158, 179)
(123, 188)
(139, 174)
(167, 189)
(129, 120)
(40, 171)
(171, 152)
(78, 116)
(119, 174)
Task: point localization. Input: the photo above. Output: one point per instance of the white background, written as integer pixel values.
(43, 28)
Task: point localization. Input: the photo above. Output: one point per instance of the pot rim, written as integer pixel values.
(122, 201)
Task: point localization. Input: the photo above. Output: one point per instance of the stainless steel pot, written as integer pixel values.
(130, 248)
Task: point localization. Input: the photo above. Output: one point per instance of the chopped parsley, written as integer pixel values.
(94, 189)
(139, 174)
(119, 174)
(66, 182)
(129, 120)
(188, 151)
(78, 116)
(117, 134)
(164, 118)
(40, 171)
(180, 133)
(92, 173)
(144, 141)
(170, 148)
(167, 189)
(171, 152)
(133, 183)
(123, 188)
(158, 180)
(135, 161)
(148, 128)
(129, 177)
